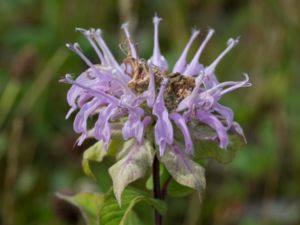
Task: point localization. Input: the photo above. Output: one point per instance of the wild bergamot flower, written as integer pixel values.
(140, 94)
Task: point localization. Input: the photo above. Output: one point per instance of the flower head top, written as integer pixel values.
(140, 94)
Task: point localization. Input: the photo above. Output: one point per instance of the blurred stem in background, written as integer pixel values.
(43, 80)
(279, 118)
(8, 99)
(12, 156)
(193, 211)
(127, 13)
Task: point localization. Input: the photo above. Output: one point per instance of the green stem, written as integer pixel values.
(156, 189)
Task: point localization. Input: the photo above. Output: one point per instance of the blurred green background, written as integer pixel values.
(37, 152)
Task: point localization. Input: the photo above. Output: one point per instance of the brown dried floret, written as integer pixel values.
(178, 88)
(139, 73)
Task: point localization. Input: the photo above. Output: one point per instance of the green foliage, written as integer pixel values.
(210, 149)
(96, 153)
(112, 214)
(88, 203)
(103, 209)
(133, 219)
(177, 190)
(132, 166)
(184, 170)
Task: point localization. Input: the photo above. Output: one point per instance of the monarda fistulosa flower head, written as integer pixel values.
(147, 100)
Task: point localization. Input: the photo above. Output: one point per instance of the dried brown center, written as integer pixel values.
(178, 86)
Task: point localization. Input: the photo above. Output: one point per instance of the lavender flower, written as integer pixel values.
(141, 94)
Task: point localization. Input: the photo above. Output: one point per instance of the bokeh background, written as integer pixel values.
(37, 153)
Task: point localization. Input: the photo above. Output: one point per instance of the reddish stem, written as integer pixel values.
(156, 189)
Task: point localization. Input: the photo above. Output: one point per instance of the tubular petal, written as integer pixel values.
(96, 93)
(181, 124)
(163, 128)
(180, 65)
(131, 45)
(214, 123)
(134, 127)
(102, 127)
(80, 122)
(109, 56)
(226, 113)
(238, 129)
(244, 83)
(89, 37)
(157, 59)
(230, 44)
(194, 67)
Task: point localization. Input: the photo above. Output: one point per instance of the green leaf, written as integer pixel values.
(210, 149)
(112, 214)
(176, 190)
(114, 146)
(134, 164)
(88, 203)
(133, 219)
(184, 170)
(96, 153)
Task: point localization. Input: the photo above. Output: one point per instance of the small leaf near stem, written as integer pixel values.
(131, 166)
(112, 214)
(88, 203)
(184, 170)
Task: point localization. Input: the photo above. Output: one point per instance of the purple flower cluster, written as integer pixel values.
(141, 94)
